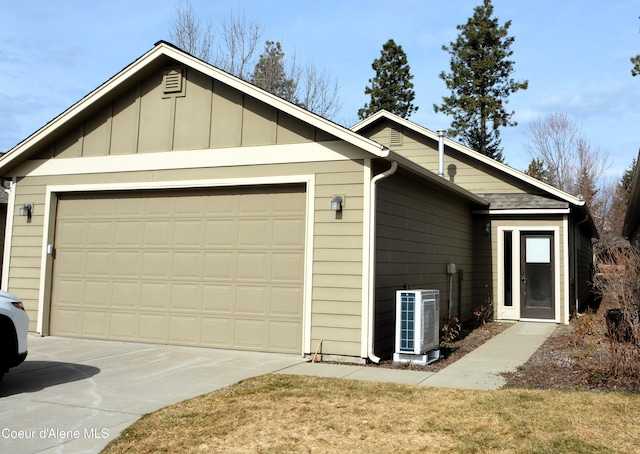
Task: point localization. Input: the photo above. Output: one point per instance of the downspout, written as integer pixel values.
(575, 262)
(372, 257)
(441, 152)
(8, 233)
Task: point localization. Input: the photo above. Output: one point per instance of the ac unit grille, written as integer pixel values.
(407, 322)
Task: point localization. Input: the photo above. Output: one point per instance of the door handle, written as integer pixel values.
(523, 278)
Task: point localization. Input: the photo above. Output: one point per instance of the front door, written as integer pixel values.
(536, 275)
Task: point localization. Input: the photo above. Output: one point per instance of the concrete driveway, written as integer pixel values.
(76, 395)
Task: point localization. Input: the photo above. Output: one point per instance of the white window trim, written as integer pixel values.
(309, 180)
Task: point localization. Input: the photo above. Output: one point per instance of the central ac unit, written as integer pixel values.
(417, 326)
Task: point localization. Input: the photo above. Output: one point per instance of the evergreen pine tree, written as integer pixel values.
(391, 88)
(270, 73)
(480, 82)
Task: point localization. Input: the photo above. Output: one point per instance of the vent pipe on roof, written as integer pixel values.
(441, 152)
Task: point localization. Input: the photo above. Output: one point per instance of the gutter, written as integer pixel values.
(372, 257)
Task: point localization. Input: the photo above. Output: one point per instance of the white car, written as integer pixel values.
(14, 326)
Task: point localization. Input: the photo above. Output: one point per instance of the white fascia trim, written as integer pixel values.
(192, 159)
(469, 152)
(525, 211)
(309, 180)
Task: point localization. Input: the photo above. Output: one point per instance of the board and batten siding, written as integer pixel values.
(337, 254)
(419, 230)
(207, 115)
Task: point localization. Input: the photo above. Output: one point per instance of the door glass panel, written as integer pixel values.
(538, 250)
(508, 268)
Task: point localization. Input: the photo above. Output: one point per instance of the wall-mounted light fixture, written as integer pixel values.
(336, 203)
(26, 210)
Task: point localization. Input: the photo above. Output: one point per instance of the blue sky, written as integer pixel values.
(574, 53)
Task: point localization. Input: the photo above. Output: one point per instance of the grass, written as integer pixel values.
(282, 413)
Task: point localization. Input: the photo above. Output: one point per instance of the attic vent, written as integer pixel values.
(396, 137)
(172, 80)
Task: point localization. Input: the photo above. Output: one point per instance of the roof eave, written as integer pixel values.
(383, 114)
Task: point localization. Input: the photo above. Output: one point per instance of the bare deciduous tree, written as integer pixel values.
(236, 53)
(553, 140)
(187, 32)
(571, 162)
(318, 92)
(237, 49)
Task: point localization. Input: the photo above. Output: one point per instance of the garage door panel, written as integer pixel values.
(125, 294)
(158, 234)
(220, 268)
(186, 265)
(285, 302)
(97, 263)
(185, 297)
(253, 234)
(184, 330)
(123, 325)
(281, 334)
(70, 263)
(95, 324)
(250, 334)
(216, 299)
(99, 234)
(153, 328)
(72, 233)
(288, 233)
(156, 265)
(67, 322)
(126, 264)
(253, 267)
(287, 267)
(219, 265)
(97, 294)
(251, 300)
(187, 234)
(217, 332)
(155, 296)
(128, 234)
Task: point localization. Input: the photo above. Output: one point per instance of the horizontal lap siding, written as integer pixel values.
(419, 231)
(337, 274)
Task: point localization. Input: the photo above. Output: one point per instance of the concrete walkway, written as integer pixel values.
(479, 370)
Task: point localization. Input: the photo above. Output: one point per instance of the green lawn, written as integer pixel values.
(281, 413)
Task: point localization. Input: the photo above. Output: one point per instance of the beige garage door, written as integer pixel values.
(217, 268)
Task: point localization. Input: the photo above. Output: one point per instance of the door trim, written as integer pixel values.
(513, 312)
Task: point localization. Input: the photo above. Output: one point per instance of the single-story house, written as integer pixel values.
(178, 204)
(631, 227)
